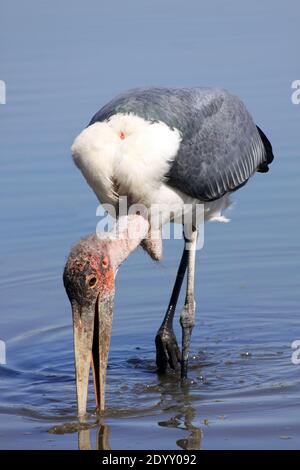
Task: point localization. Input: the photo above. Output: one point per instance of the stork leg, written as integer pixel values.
(187, 317)
(167, 350)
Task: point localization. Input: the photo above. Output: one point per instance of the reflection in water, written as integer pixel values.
(172, 396)
(174, 393)
(184, 421)
(84, 439)
(193, 440)
(102, 438)
(83, 428)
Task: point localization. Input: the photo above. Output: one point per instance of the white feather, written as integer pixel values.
(136, 163)
(167, 200)
(127, 155)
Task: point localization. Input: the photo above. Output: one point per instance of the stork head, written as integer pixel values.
(89, 280)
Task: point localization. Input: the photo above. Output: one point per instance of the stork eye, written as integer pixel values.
(105, 262)
(92, 281)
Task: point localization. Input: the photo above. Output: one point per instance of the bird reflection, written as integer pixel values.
(193, 440)
(173, 396)
(179, 398)
(102, 438)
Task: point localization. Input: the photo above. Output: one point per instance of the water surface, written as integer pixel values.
(61, 62)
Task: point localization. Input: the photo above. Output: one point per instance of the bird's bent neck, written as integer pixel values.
(125, 236)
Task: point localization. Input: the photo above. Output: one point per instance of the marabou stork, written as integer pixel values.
(158, 147)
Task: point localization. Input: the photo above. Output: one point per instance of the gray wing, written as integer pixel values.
(223, 150)
(221, 146)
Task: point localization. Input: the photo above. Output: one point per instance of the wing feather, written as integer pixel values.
(224, 151)
(221, 147)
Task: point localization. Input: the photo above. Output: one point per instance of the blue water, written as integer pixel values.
(61, 62)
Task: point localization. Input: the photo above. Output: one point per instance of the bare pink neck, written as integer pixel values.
(125, 236)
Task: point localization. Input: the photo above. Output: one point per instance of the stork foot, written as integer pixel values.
(167, 350)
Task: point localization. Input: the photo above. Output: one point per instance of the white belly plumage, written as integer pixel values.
(129, 156)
